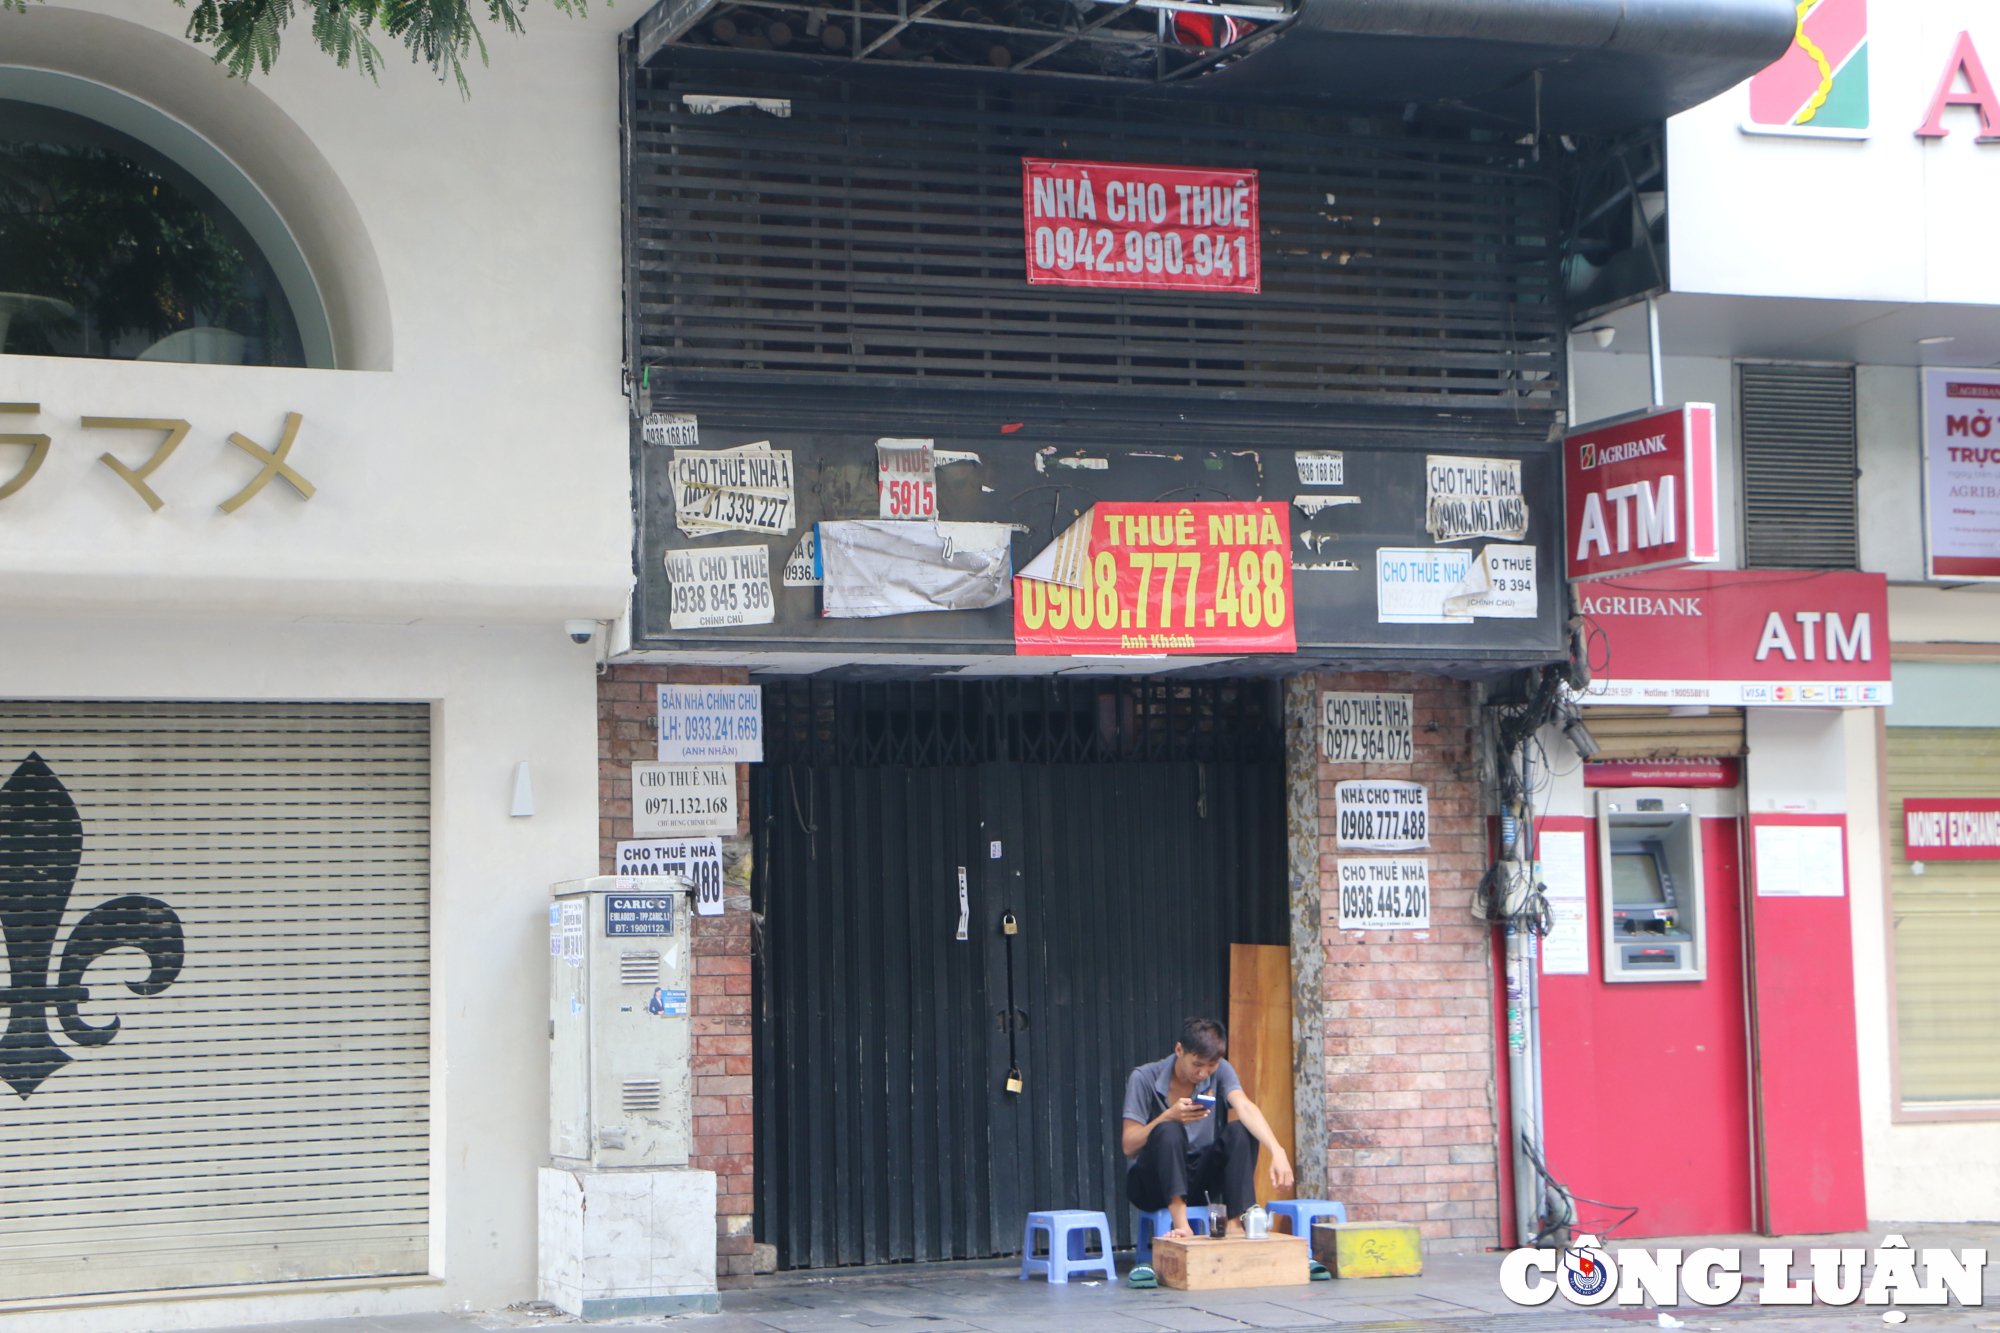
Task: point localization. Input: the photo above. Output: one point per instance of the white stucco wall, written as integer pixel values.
(473, 492)
(483, 474)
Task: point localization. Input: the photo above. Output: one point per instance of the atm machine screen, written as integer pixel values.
(1639, 878)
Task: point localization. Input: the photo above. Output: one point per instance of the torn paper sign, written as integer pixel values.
(746, 489)
(1411, 585)
(1313, 504)
(1500, 584)
(719, 586)
(1322, 467)
(802, 570)
(1062, 560)
(679, 429)
(888, 567)
(1474, 497)
(906, 476)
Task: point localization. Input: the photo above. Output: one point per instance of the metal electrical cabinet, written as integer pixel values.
(620, 1036)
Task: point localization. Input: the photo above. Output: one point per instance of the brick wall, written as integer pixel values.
(1411, 1126)
(719, 997)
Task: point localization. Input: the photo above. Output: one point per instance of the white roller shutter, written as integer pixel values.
(264, 1116)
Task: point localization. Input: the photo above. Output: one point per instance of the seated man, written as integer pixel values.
(1172, 1151)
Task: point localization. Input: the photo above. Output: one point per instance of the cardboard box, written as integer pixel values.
(1201, 1264)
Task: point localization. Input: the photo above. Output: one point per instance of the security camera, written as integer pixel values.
(580, 631)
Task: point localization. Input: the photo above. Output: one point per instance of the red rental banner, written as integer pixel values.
(1212, 579)
(1639, 492)
(1951, 828)
(1119, 224)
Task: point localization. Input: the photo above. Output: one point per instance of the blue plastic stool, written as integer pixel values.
(1160, 1223)
(1300, 1214)
(1067, 1230)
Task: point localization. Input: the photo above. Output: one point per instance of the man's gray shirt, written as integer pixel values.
(1146, 1097)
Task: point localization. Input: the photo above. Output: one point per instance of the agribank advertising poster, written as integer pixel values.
(1962, 475)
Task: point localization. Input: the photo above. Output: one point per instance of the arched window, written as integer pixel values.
(109, 247)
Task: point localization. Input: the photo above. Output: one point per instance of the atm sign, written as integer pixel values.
(1639, 493)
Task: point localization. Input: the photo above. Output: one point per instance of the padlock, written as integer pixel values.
(1014, 1080)
(1008, 925)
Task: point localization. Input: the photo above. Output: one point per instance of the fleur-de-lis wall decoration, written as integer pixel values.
(41, 848)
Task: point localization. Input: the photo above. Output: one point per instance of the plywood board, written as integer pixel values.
(1260, 1041)
(1201, 1264)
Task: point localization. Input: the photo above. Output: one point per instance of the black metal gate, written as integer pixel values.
(1133, 830)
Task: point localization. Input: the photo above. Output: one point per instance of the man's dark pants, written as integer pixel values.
(1225, 1170)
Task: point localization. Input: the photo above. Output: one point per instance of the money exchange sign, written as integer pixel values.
(1203, 579)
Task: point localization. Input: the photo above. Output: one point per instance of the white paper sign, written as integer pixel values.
(719, 586)
(677, 429)
(1367, 728)
(1801, 861)
(1474, 497)
(1382, 816)
(695, 860)
(1322, 467)
(1500, 583)
(1385, 893)
(1566, 948)
(708, 724)
(1411, 586)
(746, 489)
(906, 476)
(802, 570)
(676, 800)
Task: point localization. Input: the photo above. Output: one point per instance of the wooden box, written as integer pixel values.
(1369, 1249)
(1201, 1264)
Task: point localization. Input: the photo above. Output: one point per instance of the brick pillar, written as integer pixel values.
(1411, 1125)
(719, 993)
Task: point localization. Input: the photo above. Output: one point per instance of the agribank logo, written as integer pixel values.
(1890, 1275)
(1820, 86)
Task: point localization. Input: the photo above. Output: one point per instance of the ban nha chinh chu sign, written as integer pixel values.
(1120, 224)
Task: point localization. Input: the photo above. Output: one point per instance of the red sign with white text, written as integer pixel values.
(1639, 492)
(1661, 773)
(1739, 637)
(1208, 579)
(1951, 828)
(1116, 224)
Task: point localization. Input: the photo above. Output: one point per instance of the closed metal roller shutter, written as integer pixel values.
(860, 244)
(1946, 927)
(242, 889)
(1654, 733)
(1801, 466)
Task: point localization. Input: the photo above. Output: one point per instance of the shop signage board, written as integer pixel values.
(1740, 637)
(708, 724)
(1120, 224)
(1639, 493)
(1951, 828)
(1696, 772)
(1962, 475)
(1209, 579)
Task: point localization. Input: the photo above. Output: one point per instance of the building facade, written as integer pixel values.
(301, 491)
(1824, 285)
